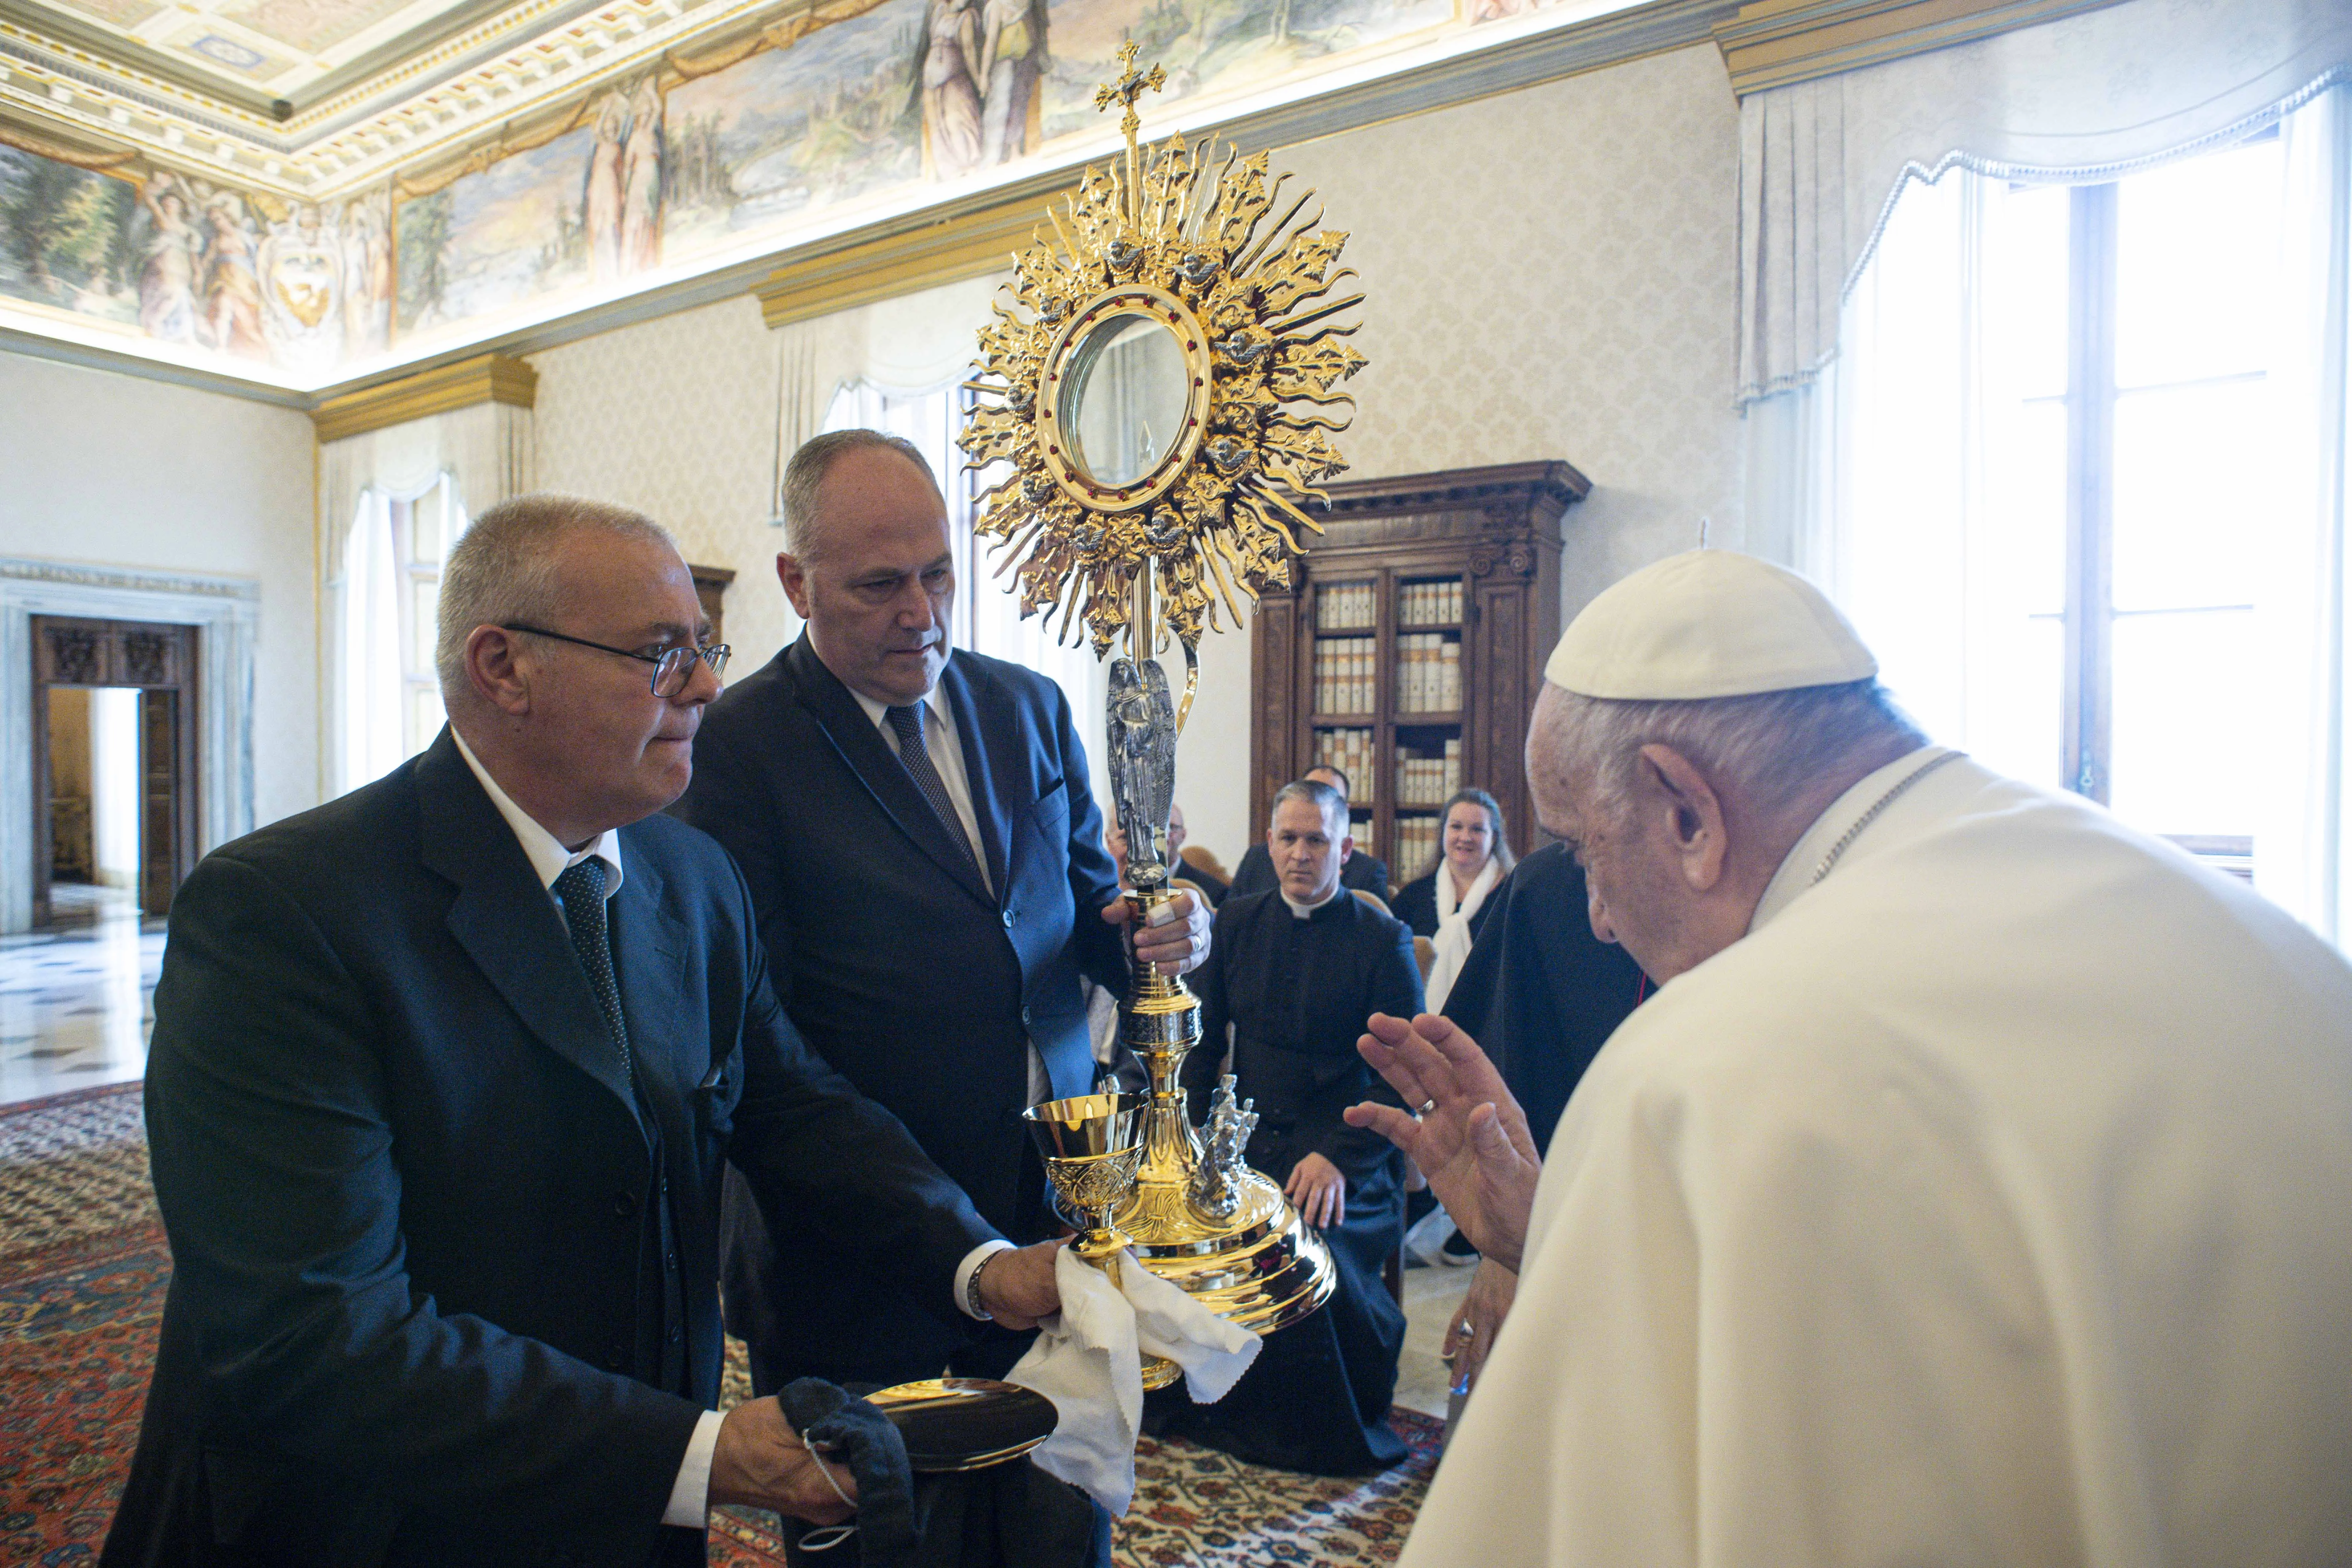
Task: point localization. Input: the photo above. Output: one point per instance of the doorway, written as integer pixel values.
(114, 765)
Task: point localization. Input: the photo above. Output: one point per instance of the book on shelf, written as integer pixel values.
(1431, 603)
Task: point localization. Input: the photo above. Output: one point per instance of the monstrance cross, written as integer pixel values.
(1127, 89)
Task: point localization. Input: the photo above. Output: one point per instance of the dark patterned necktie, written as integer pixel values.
(908, 723)
(582, 889)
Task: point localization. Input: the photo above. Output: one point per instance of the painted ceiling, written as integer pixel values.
(279, 48)
(423, 175)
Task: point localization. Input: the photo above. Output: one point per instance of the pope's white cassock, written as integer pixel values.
(1990, 1202)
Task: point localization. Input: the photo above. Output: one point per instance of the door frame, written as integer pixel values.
(228, 611)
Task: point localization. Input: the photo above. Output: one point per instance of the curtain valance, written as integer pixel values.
(2090, 97)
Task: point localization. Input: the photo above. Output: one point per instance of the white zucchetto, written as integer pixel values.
(1706, 623)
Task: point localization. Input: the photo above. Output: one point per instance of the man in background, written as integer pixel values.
(1295, 973)
(1360, 869)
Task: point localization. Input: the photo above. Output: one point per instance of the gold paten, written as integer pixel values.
(1197, 244)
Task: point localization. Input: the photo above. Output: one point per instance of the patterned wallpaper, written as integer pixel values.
(1551, 274)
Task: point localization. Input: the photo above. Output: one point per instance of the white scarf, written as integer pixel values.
(1454, 929)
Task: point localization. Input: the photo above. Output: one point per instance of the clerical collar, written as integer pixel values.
(1831, 831)
(1301, 911)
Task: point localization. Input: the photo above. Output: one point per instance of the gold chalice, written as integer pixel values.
(1092, 1144)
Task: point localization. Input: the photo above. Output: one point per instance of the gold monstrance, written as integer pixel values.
(1160, 409)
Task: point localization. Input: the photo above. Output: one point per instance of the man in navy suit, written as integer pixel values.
(924, 854)
(442, 1079)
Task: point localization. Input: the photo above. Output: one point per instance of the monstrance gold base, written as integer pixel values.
(1243, 1253)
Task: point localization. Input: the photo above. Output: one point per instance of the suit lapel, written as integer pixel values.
(981, 711)
(505, 921)
(874, 765)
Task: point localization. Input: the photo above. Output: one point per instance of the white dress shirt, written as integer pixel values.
(690, 1496)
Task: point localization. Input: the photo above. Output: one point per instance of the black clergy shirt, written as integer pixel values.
(1297, 992)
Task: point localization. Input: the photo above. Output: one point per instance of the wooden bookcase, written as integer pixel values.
(1496, 534)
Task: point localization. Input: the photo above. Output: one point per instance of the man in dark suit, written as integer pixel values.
(1360, 869)
(923, 849)
(442, 1078)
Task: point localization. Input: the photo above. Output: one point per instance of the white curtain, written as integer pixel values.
(2090, 97)
(486, 454)
(2306, 828)
(374, 682)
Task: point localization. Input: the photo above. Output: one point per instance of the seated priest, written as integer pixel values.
(1360, 871)
(442, 1079)
(1295, 973)
(1970, 1191)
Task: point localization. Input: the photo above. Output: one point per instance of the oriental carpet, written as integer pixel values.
(83, 1268)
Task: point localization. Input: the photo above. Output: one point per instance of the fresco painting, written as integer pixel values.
(868, 100)
(1213, 46)
(786, 130)
(517, 229)
(195, 265)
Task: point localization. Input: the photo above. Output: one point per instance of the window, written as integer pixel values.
(391, 600)
(2054, 448)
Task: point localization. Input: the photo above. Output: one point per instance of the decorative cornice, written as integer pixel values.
(485, 378)
(78, 575)
(1773, 43)
(942, 250)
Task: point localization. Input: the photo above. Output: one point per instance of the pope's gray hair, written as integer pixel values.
(1774, 744)
(508, 566)
(804, 475)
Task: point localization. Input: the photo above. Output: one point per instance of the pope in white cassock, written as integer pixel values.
(1977, 1187)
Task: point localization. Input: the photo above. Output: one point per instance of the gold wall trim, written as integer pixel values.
(485, 378)
(1772, 43)
(947, 250)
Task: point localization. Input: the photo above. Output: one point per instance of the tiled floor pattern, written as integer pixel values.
(76, 1002)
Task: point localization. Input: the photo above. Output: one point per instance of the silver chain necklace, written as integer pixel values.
(1845, 839)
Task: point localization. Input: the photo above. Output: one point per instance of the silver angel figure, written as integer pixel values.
(1225, 1139)
(1142, 765)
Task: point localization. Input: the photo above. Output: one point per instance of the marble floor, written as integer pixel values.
(76, 1001)
(1431, 1294)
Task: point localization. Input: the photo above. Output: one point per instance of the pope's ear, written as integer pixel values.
(1693, 814)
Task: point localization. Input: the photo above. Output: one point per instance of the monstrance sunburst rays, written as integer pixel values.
(1189, 238)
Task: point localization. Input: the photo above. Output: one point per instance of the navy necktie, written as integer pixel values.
(908, 723)
(582, 889)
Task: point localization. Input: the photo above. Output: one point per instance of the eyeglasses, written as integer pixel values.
(673, 666)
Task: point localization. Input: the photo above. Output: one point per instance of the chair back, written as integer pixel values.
(1425, 954)
(1194, 855)
(1374, 899)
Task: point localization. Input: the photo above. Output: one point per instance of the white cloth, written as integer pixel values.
(1089, 1360)
(1983, 1205)
(1453, 943)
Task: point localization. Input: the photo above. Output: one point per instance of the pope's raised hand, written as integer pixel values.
(1464, 1132)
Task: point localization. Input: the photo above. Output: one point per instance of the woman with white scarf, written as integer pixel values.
(1448, 903)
